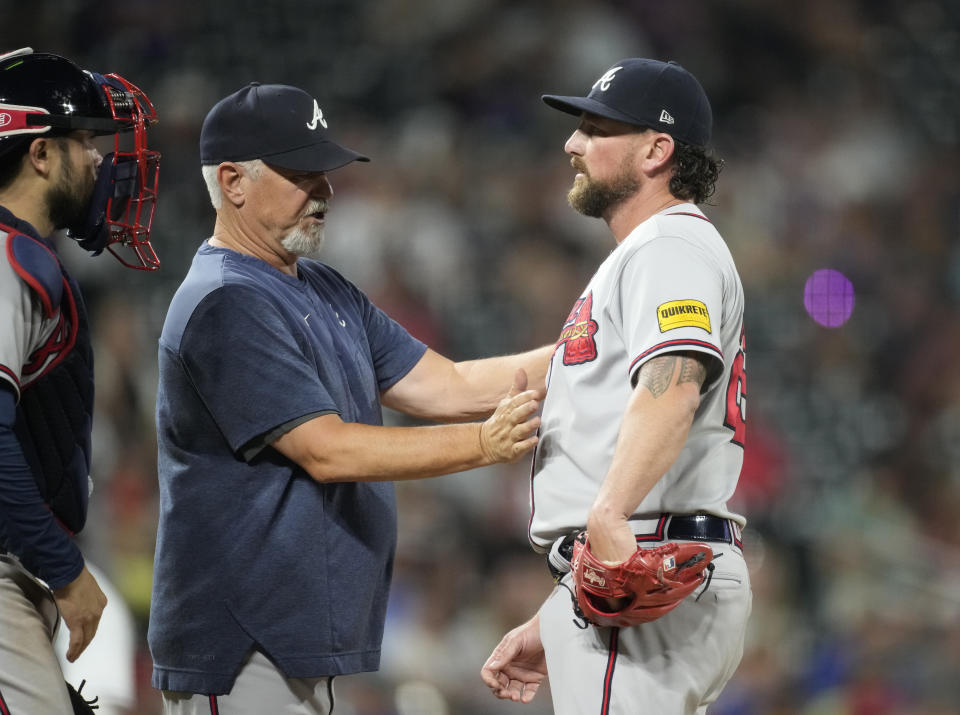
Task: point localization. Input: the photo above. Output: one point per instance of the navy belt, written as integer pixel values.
(687, 527)
(700, 527)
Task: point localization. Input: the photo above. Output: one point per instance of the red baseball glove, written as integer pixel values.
(654, 580)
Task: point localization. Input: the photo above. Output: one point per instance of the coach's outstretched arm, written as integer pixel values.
(331, 450)
(439, 389)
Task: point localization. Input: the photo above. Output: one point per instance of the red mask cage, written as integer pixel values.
(130, 217)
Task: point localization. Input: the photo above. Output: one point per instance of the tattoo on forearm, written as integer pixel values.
(692, 370)
(657, 374)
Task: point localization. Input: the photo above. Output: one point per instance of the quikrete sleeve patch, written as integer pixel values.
(683, 314)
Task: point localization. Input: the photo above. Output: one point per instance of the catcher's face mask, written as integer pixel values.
(125, 196)
(42, 93)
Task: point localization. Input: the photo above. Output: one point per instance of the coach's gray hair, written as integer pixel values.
(253, 167)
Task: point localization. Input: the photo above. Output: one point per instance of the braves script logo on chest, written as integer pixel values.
(579, 345)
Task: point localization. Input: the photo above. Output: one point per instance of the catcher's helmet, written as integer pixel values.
(42, 93)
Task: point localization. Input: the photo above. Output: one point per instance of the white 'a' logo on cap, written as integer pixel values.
(317, 117)
(607, 78)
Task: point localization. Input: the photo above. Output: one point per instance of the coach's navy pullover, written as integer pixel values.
(251, 551)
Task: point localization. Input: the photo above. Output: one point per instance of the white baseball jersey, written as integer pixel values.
(670, 285)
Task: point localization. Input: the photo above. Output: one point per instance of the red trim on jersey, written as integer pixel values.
(659, 533)
(672, 343)
(59, 341)
(689, 213)
(737, 534)
(55, 343)
(4, 710)
(27, 278)
(214, 708)
(608, 676)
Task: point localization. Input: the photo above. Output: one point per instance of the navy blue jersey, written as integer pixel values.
(250, 549)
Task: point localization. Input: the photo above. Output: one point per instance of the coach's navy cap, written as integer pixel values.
(647, 93)
(282, 125)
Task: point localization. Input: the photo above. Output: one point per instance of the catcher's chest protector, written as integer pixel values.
(55, 413)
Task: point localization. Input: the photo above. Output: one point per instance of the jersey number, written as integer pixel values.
(737, 396)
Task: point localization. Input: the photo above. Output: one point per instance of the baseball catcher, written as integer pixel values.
(53, 177)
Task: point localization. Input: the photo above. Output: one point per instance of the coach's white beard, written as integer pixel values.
(307, 242)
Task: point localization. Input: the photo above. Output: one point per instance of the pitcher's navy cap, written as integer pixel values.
(647, 93)
(282, 125)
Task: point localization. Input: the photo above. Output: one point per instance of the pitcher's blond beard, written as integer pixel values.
(597, 198)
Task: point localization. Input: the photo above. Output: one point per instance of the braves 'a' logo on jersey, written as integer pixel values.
(576, 337)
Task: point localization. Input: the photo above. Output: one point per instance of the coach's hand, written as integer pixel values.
(510, 432)
(517, 665)
(81, 603)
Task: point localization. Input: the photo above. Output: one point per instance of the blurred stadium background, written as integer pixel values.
(839, 121)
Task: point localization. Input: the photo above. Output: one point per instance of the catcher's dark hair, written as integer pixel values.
(695, 175)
